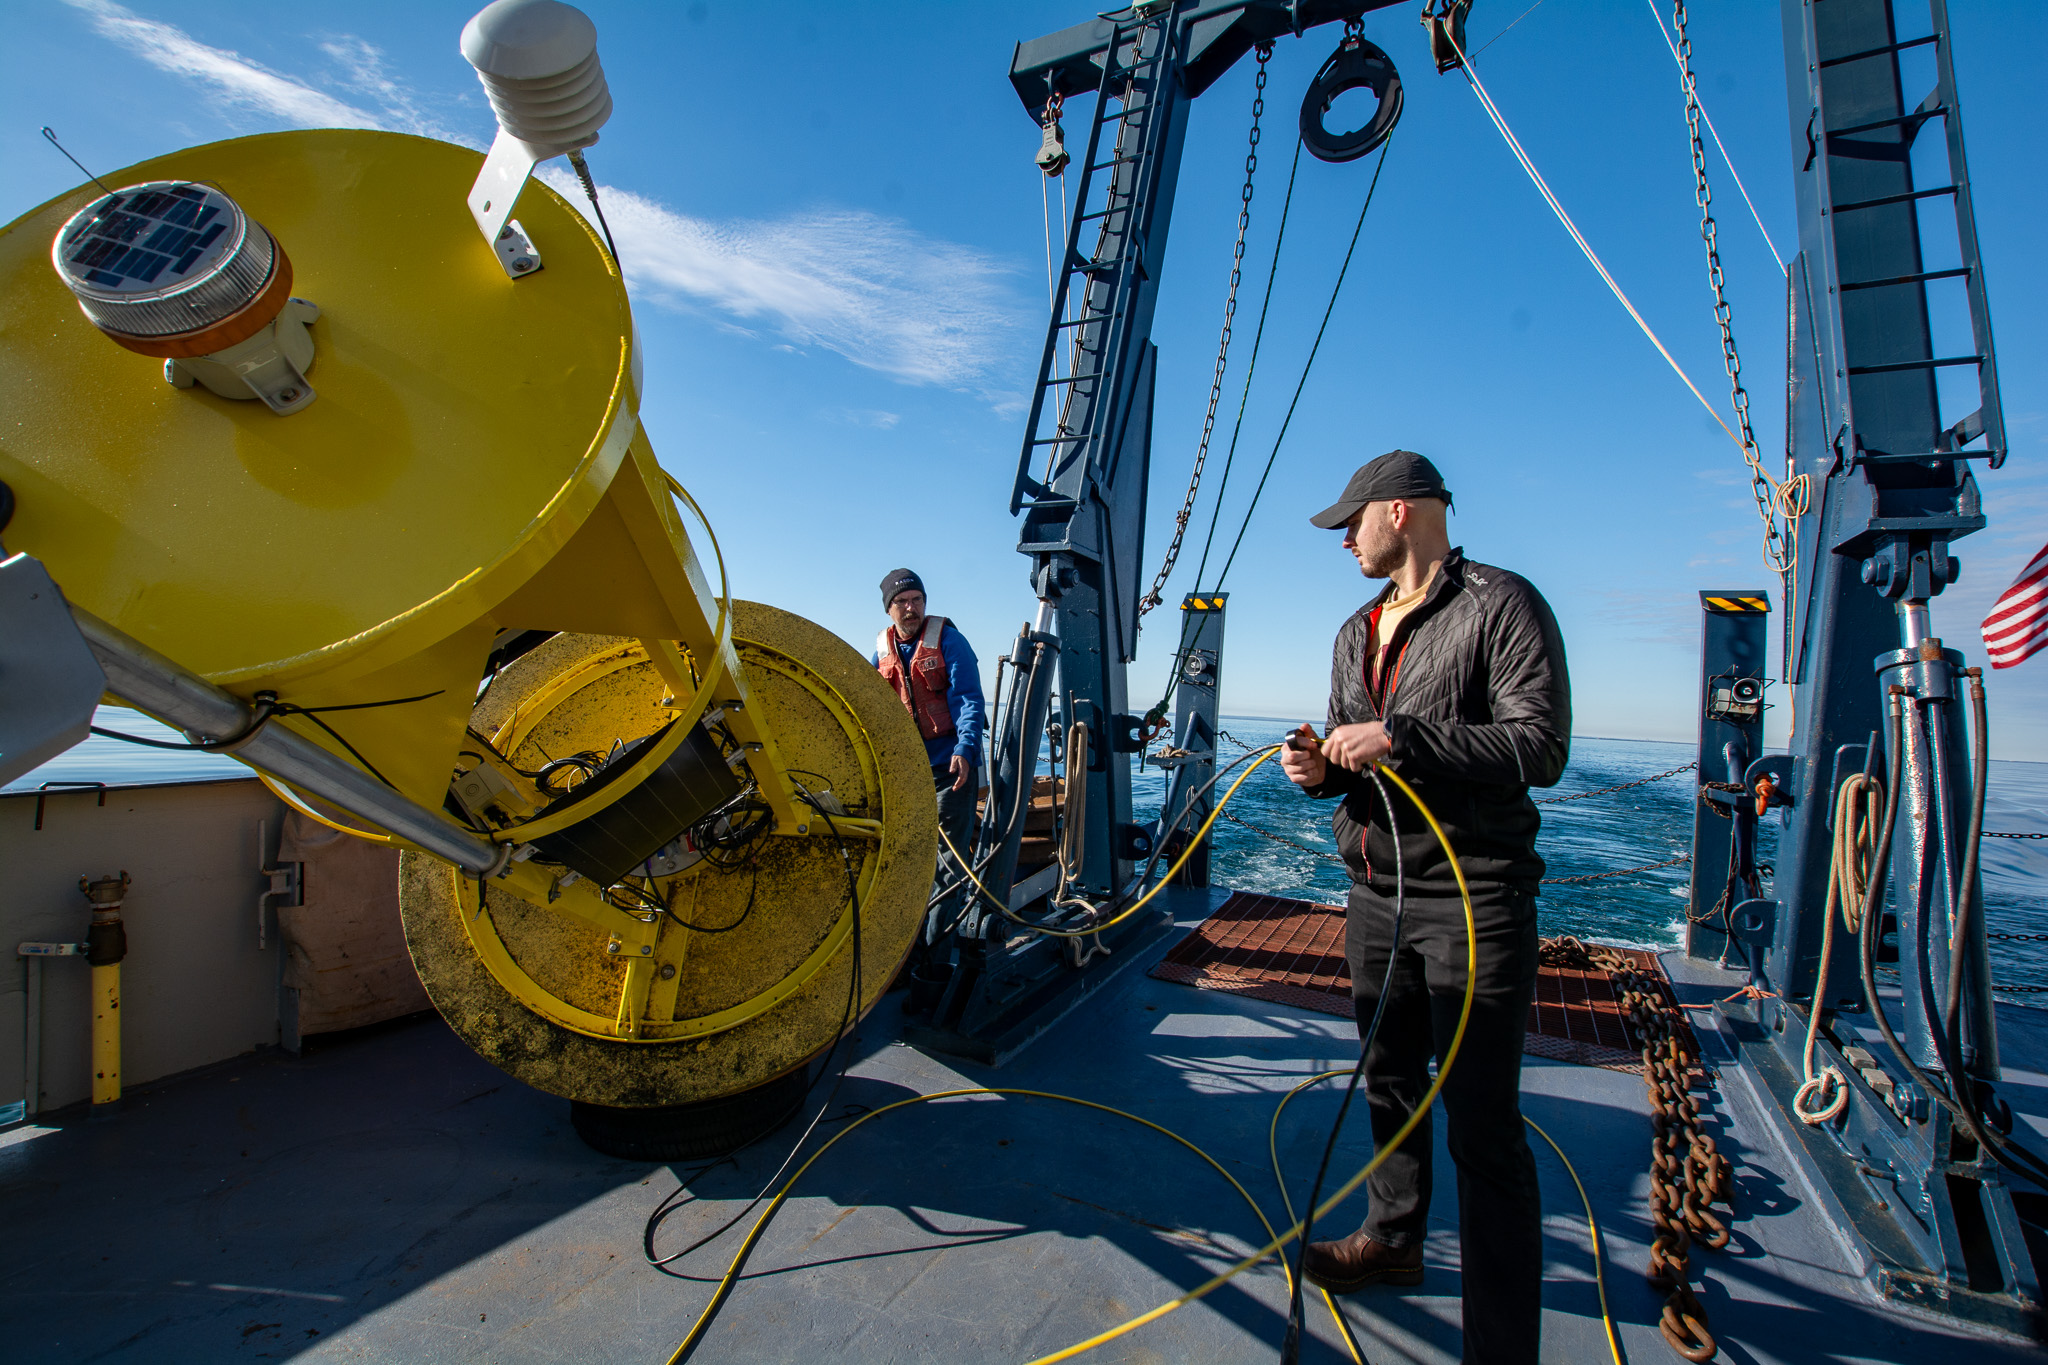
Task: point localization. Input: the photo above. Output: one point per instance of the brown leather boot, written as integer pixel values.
(1358, 1261)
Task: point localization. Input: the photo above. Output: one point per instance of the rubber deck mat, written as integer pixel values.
(1292, 953)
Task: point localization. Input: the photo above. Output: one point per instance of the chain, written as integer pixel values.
(1244, 219)
(1996, 834)
(1618, 872)
(2019, 938)
(1547, 881)
(1772, 499)
(1609, 791)
(1688, 1175)
(1280, 838)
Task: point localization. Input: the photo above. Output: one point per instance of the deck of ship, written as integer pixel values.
(389, 1196)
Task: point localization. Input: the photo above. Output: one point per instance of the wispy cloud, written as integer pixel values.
(872, 289)
(869, 288)
(361, 67)
(235, 80)
(870, 417)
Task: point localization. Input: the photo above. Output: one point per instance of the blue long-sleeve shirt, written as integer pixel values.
(963, 696)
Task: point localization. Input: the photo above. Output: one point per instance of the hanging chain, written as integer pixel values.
(1244, 219)
(1773, 499)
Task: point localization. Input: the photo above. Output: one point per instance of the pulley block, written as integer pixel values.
(1355, 65)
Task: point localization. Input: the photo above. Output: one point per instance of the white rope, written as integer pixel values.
(1045, 218)
(1585, 247)
(1665, 33)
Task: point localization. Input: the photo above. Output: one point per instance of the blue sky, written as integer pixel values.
(835, 237)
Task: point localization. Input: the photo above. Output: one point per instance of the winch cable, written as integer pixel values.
(1244, 222)
(1158, 713)
(1585, 247)
(1585, 1200)
(1719, 146)
(1251, 365)
(1290, 1346)
(1214, 1282)
(1308, 364)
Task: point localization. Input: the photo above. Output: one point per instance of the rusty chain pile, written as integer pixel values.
(1688, 1175)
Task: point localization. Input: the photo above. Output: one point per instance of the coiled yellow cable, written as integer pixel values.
(761, 1223)
(1276, 1241)
(1400, 1135)
(1592, 1226)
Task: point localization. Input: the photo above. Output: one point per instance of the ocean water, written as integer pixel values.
(1628, 829)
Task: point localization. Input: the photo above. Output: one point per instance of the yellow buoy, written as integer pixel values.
(472, 464)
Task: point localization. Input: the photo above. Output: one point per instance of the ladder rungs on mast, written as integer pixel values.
(1881, 51)
(1898, 365)
(1917, 117)
(1847, 285)
(1894, 199)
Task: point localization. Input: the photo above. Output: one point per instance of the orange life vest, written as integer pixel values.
(924, 688)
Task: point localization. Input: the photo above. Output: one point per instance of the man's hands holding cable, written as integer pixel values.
(1306, 759)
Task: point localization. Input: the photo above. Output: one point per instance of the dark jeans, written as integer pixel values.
(1500, 1214)
(956, 818)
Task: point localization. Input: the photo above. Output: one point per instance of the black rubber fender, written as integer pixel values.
(690, 1132)
(1356, 64)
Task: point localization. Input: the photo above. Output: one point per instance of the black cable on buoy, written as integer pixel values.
(582, 169)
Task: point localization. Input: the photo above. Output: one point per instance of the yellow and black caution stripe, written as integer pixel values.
(1194, 603)
(1735, 603)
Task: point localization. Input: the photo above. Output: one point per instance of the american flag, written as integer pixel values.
(2018, 623)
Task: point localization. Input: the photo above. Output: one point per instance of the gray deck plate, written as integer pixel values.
(393, 1198)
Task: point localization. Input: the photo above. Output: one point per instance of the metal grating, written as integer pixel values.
(1292, 953)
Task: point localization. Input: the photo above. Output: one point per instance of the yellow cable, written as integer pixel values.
(1287, 1204)
(1136, 905)
(1599, 1270)
(754, 1233)
(1276, 1241)
(305, 808)
(724, 584)
(1400, 1136)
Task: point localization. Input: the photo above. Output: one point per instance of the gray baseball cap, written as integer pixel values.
(1396, 474)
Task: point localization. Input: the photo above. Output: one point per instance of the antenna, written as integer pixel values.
(51, 134)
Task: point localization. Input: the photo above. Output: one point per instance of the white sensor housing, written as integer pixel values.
(538, 63)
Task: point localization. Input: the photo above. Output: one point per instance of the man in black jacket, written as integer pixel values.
(1454, 677)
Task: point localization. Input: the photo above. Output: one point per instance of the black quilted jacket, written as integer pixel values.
(1481, 711)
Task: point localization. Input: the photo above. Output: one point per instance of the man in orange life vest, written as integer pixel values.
(932, 668)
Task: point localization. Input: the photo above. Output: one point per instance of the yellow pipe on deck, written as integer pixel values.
(106, 1034)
